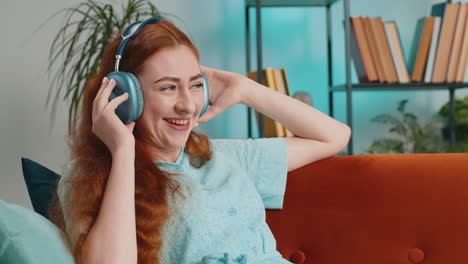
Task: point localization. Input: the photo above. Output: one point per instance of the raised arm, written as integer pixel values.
(316, 135)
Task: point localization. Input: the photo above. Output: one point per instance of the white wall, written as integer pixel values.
(24, 119)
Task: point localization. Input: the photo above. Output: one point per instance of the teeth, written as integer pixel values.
(178, 122)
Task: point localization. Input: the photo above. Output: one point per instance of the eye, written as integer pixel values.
(167, 87)
(198, 85)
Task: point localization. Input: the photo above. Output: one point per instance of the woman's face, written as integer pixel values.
(172, 89)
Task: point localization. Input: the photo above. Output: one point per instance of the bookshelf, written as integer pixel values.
(289, 3)
(400, 86)
(347, 87)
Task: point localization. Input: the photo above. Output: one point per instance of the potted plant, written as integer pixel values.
(77, 47)
(408, 135)
(461, 124)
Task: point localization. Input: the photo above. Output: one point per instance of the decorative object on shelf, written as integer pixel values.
(304, 97)
(461, 124)
(76, 50)
(410, 136)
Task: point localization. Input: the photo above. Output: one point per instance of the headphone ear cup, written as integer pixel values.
(206, 95)
(131, 109)
(139, 101)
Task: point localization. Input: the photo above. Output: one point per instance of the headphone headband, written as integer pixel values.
(126, 82)
(130, 32)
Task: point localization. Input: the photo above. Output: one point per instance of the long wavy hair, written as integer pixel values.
(92, 160)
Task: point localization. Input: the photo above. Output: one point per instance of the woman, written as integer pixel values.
(155, 192)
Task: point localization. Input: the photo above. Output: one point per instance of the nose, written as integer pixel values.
(185, 102)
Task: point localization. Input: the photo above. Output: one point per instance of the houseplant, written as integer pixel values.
(77, 47)
(408, 136)
(461, 124)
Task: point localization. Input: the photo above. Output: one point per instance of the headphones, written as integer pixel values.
(126, 82)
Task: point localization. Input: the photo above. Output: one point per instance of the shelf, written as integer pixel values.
(449, 87)
(400, 86)
(290, 3)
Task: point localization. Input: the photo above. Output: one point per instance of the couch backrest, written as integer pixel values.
(386, 209)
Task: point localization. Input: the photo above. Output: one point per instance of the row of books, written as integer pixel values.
(445, 31)
(277, 80)
(442, 53)
(376, 51)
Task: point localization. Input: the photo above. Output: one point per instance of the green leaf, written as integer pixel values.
(417, 138)
(411, 121)
(77, 48)
(398, 126)
(401, 105)
(386, 145)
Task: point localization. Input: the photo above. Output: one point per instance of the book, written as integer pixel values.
(423, 49)
(286, 86)
(448, 12)
(271, 128)
(384, 50)
(273, 83)
(415, 43)
(373, 49)
(432, 50)
(281, 86)
(394, 42)
(456, 44)
(461, 68)
(360, 52)
(455, 50)
(286, 82)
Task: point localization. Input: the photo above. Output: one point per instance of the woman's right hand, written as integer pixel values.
(106, 124)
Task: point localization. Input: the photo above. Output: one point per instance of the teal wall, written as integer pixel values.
(295, 38)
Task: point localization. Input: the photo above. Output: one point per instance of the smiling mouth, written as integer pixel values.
(177, 121)
(179, 125)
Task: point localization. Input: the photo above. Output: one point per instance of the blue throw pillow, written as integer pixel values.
(28, 238)
(41, 184)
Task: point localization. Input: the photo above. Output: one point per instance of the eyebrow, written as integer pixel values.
(175, 79)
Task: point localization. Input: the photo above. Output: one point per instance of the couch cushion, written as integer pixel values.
(27, 237)
(41, 183)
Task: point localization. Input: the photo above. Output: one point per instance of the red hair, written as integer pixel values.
(92, 160)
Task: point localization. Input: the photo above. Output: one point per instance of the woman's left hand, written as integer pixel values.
(226, 90)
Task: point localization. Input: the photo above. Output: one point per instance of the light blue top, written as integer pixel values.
(222, 220)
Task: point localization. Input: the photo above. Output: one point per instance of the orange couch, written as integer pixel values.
(368, 209)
